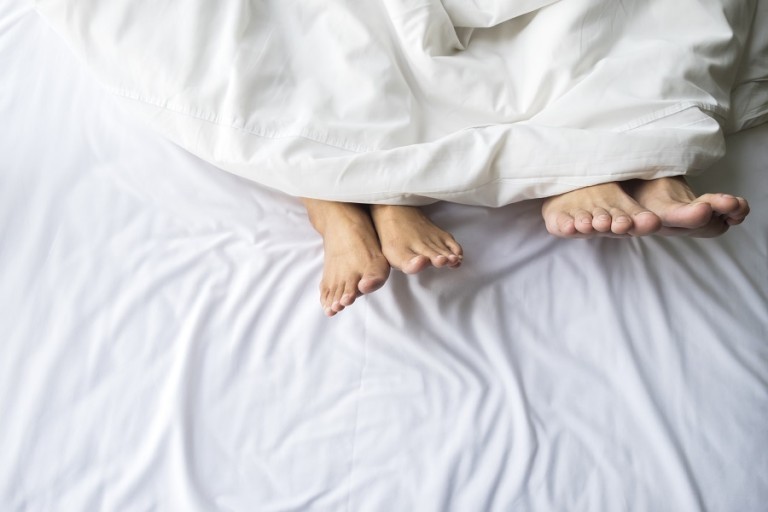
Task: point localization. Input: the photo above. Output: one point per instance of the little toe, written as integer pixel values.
(561, 224)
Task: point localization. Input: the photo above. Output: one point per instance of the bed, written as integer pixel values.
(163, 347)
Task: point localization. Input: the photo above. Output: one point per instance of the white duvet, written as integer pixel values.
(404, 101)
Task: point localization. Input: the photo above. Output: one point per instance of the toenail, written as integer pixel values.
(727, 196)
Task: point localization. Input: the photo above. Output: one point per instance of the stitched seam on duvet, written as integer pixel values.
(670, 111)
(557, 179)
(304, 134)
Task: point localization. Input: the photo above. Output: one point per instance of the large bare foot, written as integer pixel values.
(353, 263)
(411, 242)
(604, 209)
(683, 213)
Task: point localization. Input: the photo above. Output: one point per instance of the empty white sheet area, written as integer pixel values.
(162, 345)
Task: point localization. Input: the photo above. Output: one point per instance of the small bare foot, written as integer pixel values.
(353, 263)
(682, 213)
(604, 209)
(411, 242)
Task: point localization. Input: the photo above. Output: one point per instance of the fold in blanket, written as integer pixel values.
(408, 102)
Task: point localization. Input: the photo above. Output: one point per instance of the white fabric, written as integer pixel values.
(162, 345)
(749, 98)
(387, 101)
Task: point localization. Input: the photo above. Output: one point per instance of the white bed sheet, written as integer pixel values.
(162, 345)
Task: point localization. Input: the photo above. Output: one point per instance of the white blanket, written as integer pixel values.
(406, 101)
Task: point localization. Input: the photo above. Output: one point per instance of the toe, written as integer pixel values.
(645, 222)
(335, 301)
(451, 250)
(455, 248)
(621, 222)
(439, 255)
(404, 259)
(582, 222)
(439, 261)
(372, 281)
(723, 204)
(601, 220)
(324, 291)
(691, 215)
(561, 224)
(418, 257)
(740, 214)
(349, 294)
(416, 264)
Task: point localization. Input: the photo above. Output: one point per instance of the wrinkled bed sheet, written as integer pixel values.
(162, 345)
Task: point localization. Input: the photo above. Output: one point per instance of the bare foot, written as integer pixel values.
(411, 242)
(604, 209)
(353, 263)
(682, 213)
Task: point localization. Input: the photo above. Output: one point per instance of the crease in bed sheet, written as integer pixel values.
(534, 86)
(356, 422)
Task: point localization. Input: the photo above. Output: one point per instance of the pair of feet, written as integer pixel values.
(362, 243)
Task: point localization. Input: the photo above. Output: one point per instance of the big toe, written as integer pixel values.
(731, 208)
(373, 280)
(686, 215)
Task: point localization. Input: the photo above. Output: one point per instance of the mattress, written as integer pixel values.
(163, 347)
